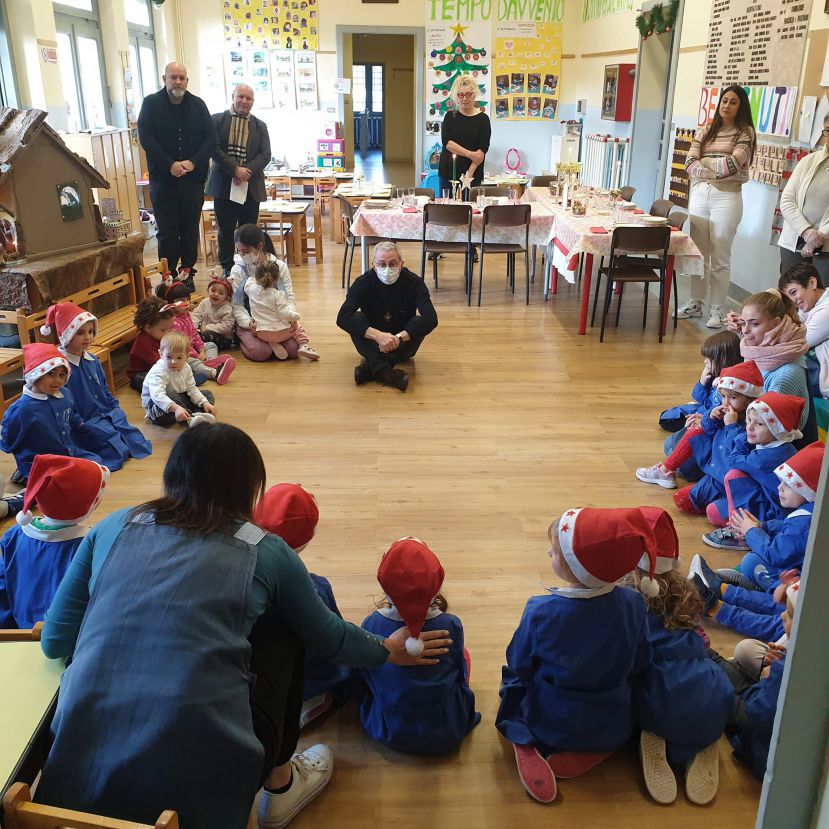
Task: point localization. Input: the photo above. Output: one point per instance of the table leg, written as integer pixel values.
(336, 221)
(363, 254)
(585, 293)
(301, 246)
(669, 279)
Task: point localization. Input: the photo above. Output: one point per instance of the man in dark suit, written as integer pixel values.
(243, 152)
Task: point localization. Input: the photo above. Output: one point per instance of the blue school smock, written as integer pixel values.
(683, 696)
(107, 432)
(419, 710)
(41, 424)
(751, 613)
(322, 675)
(758, 492)
(712, 450)
(782, 544)
(703, 398)
(32, 565)
(567, 684)
(759, 705)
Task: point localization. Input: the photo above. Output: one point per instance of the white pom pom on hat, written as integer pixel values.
(24, 517)
(45, 330)
(649, 587)
(414, 647)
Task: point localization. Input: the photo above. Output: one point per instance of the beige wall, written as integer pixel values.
(396, 53)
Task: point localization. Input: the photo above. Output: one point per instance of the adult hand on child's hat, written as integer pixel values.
(435, 644)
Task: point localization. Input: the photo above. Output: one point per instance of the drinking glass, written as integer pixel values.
(399, 194)
(445, 195)
(410, 197)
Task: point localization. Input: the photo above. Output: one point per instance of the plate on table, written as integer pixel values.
(376, 204)
(654, 220)
(627, 205)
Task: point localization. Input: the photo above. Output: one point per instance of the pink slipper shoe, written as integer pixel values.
(537, 777)
(224, 371)
(569, 764)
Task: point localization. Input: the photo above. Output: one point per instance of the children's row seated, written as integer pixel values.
(589, 664)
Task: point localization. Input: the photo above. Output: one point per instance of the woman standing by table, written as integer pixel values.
(465, 135)
(717, 165)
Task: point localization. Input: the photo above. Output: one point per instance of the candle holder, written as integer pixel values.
(12, 246)
(457, 190)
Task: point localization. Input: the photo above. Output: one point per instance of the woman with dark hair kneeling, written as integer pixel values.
(163, 706)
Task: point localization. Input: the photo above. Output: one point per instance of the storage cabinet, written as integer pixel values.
(617, 92)
(680, 185)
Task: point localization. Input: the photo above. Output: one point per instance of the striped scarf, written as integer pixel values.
(237, 142)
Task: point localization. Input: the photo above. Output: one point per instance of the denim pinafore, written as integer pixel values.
(154, 710)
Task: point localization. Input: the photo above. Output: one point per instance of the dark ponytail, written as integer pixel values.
(251, 236)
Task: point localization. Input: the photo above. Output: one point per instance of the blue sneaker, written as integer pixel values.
(10, 505)
(708, 596)
(724, 539)
(731, 575)
(699, 567)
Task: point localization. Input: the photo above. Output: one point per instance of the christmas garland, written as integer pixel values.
(658, 19)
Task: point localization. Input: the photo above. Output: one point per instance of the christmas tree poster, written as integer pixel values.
(526, 68)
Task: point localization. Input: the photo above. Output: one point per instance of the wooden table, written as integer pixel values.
(308, 178)
(11, 359)
(284, 212)
(355, 200)
(30, 685)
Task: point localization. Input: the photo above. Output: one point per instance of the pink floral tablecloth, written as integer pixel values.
(571, 236)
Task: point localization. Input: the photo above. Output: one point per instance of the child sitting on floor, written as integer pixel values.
(153, 319)
(37, 551)
(289, 511)
(204, 358)
(169, 393)
(683, 700)
(215, 317)
(106, 429)
(43, 420)
(417, 710)
(710, 443)
(568, 682)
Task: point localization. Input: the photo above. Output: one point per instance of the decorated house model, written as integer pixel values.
(46, 203)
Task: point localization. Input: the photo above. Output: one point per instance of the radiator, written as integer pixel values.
(605, 161)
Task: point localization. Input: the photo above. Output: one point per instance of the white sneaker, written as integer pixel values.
(659, 777)
(312, 771)
(200, 417)
(692, 308)
(703, 776)
(306, 351)
(715, 317)
(656, 475)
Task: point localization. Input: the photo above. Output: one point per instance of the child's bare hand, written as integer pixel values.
(253, 325)
(742, 521)
(718, 412)
(294, 326)
(730, 417)
(202, 354)
(786, 578)
(706, 377)
(693, 421)
(181, 413)
(209, 408)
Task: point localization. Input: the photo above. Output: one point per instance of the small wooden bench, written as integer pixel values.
(145, 274)
(22, 635)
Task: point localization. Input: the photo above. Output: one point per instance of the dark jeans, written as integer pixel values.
(820, 262)
(137, 381)
(177, 210)
(219, 340)
(157, 415)
(229, 216)
(377, 360)
(277, 662)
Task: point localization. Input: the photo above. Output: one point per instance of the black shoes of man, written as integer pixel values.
(394, 377)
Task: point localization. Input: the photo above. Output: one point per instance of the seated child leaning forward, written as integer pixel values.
(43, 420)
(433, 711)
(37, 551)
(106, 431)
(153, 319)
(169, 393)
(567, 687)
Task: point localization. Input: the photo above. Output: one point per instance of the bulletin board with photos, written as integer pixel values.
(271, 24)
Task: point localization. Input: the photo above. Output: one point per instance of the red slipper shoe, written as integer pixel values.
(537, 777)
(468, 661)
(568, 764)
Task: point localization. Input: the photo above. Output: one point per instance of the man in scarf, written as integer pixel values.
(237, 181)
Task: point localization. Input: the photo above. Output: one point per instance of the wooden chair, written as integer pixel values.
(24, 635)
(349, 238)
(144, 287)
(509, 216)
(492, 192)
(314, 233)
(280, 187)
(627, 192)
(323, 191)
(209, 236)
(20, 813)
(271, 222)
(542, 181)
(662, 207)
(458, 216)
(627, 241)
(11, 361)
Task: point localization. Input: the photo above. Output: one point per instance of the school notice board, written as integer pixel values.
(526, 65)
(271, 24)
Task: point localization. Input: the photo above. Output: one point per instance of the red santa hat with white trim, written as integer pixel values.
(801, 472)
(793, 592)
(744, 378)
(781, 413)
(67, 490)
(411, 576)
(40, 359)
(667, 549)
(289, 511)
(66, 318)
(602, 546)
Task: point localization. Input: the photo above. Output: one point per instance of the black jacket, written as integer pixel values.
(223, 166)
(176, 132)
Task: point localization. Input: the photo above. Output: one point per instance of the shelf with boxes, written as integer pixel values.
(331, 149)
(680, 184)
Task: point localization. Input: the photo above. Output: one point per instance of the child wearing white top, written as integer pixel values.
(169, 392)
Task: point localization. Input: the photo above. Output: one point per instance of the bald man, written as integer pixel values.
(179, 138)
(242, 153)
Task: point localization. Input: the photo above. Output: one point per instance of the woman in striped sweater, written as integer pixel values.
(717, 165)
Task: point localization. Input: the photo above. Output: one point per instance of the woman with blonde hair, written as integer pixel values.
(465, 135)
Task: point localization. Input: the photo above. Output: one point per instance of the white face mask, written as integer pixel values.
(250, 259)
(386, 275)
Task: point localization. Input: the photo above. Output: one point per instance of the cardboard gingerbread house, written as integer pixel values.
(46, 201)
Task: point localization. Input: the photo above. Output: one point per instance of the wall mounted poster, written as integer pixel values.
(305, 77)
(259, 77)
(282, 79)
(526, 66)
(271, 24)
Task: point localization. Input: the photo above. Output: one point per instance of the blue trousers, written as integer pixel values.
(751, 613)
(758, 571)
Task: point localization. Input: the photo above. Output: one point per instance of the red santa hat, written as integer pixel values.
(66, 489)
(666, 545)
(220, 280)
(793, 592)
(40, 359)
(67, 318)
(411, 576)
(289, 511)
(603, 545)
(802, 471)
(744, 378)
(781, 413)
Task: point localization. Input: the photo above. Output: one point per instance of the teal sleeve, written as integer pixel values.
(282, 581)
(63, 619)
